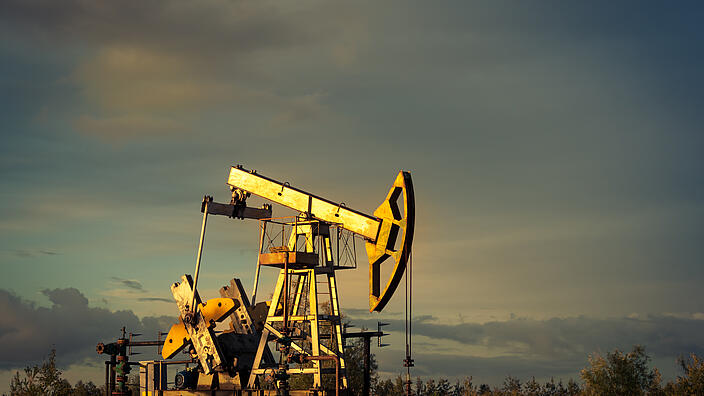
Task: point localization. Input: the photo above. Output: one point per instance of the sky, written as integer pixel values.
(555, 149)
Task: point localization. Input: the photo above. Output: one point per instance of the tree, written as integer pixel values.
(573, 389)
(46, 380)
(692, 382)
(621, 374)
(420, 387)
(354, 358)
(388, 387)
(41, 380)
(532, 387)
(443, 387)
(468, 388)
(484, 389)
(86, 389)
(512, 386)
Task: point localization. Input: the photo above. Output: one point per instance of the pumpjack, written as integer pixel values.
(303, 317)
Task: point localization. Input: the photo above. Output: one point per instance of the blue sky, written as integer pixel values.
(555, 149)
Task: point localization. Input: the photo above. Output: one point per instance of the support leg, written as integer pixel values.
(335, 305)
(314, 325)
(265, 333)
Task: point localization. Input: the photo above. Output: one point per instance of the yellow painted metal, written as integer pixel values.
(216, 309)
(291, 197)
(175, 340)
(213, 310)
(389, 225)
(394, 225)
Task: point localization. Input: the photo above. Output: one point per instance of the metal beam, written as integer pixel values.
(291, 197)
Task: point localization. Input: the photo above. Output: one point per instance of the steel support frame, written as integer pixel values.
(307, 283)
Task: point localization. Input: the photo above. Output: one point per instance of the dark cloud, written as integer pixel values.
(29, 331)
(70, 297)
(166, 300)
(232, 27)
(523, 348)
(567, 338)
(24, 253)
(130, 283)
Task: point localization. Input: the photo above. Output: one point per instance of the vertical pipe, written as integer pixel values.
(337, 235)
(113, 362)
(107, 378)
(367, 367)
(286, 294)
(206, 200)
(262, 231)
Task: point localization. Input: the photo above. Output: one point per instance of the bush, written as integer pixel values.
(621, 374)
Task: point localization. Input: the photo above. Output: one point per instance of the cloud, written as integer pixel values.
(132, 284)
(163, 76)
(521, 347)
(126, 126)
(27, 253)
(152, 80)
(158, 299)
(232, 26)
(132, 289)
(71, 325)
(567, 338)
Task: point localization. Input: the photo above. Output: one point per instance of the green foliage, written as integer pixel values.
(354, 358)
(388, 387)
(40, 380)
(621, 374)
(46, 380)
(532, 387)
(512, 386)
(86, 389)
(692, 382)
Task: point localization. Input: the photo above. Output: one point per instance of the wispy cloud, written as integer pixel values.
(129, 283)
(127, 126)
(156, 299)
(27, 253)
